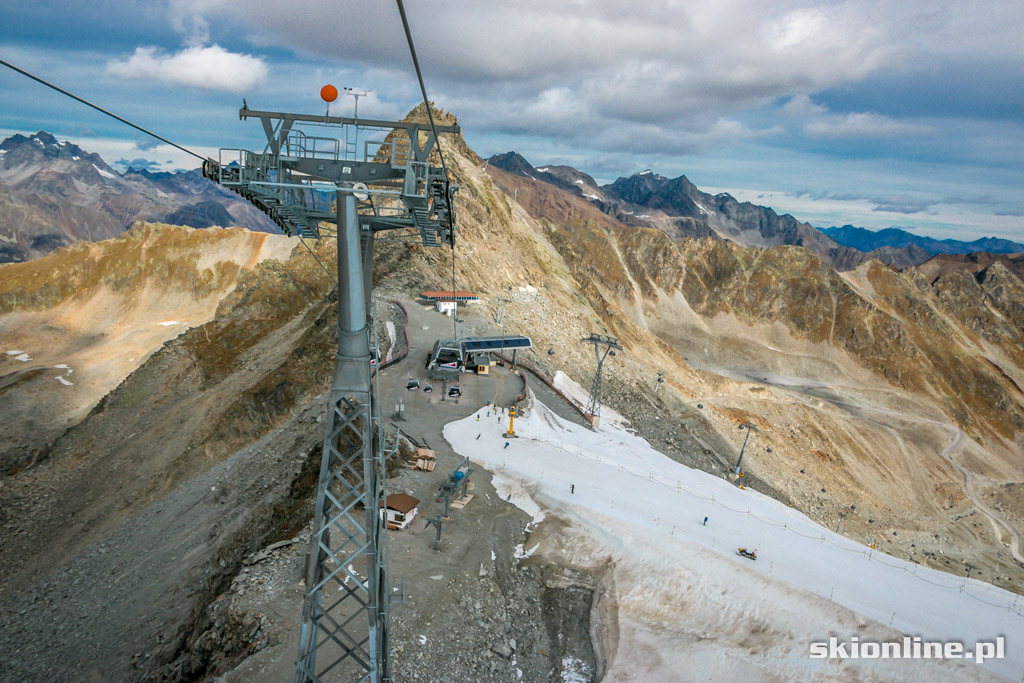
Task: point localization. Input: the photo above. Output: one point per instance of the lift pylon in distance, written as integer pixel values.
(386, 183)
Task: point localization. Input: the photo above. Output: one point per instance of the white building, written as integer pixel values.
(400, 509)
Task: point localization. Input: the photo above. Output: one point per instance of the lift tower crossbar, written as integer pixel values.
(600, 341)
(304, 182)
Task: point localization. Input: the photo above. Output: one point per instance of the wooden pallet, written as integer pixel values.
(461, 502)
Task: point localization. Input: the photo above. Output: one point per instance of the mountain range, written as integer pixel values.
(54, 193)
(678, 208)
(867, 240)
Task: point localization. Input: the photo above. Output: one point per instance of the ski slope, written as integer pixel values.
(678, 598)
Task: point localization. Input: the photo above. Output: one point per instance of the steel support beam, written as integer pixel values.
(344, 615)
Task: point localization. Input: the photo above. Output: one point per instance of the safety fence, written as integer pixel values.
(548, 381)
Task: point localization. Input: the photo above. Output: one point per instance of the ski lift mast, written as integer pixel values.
(305, 182)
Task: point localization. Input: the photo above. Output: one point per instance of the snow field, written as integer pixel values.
(684, 598)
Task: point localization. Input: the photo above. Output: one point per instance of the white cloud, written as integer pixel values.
(684, 64)
(801, 106)
(819, 122)
(211, 68)
(865, 125)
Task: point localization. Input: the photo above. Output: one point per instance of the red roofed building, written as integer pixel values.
(398, 510)
(449, 296)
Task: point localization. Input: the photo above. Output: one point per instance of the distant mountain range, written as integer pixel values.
(680, 209)
(866, 240)
(55, 193)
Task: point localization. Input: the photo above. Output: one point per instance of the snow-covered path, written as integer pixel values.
(646, 510)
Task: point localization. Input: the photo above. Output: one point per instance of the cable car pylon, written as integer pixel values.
(300, 181)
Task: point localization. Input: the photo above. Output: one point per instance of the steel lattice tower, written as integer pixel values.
(593, 410)
(302, 182)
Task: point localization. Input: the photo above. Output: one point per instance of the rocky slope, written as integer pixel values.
(83, 317)
(54, 193)
(859, 381)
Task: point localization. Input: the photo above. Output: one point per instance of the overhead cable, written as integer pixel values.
(101, 109)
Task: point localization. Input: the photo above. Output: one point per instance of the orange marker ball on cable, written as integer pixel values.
(328, 93)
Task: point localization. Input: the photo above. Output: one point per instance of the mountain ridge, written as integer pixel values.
(863, 239)
(54, 193)
(678, 208)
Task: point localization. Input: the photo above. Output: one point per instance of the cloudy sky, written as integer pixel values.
(876, 113)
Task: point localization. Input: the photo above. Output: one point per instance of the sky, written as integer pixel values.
(875, 113)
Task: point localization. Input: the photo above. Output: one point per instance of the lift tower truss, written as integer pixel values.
(600, 341)
(305, 182)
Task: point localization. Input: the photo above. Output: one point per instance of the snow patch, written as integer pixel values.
(23, 358)
(521, 554)
(60, 378)
(575, 670)
(103, 172)
(543, 170)
(15, 353)
(168, 323)
(581, 397)
(647, 509)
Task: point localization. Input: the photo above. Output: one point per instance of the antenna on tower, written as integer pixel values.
(593, 411)
(355, 113)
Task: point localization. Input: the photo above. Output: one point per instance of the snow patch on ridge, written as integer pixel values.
(104, 173)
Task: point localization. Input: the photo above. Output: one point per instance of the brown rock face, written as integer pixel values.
(89, 314)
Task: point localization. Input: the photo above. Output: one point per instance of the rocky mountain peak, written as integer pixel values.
(42, 145)
(513, 162)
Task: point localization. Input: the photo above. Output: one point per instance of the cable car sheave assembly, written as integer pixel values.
(295, 178)
(384, 181)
